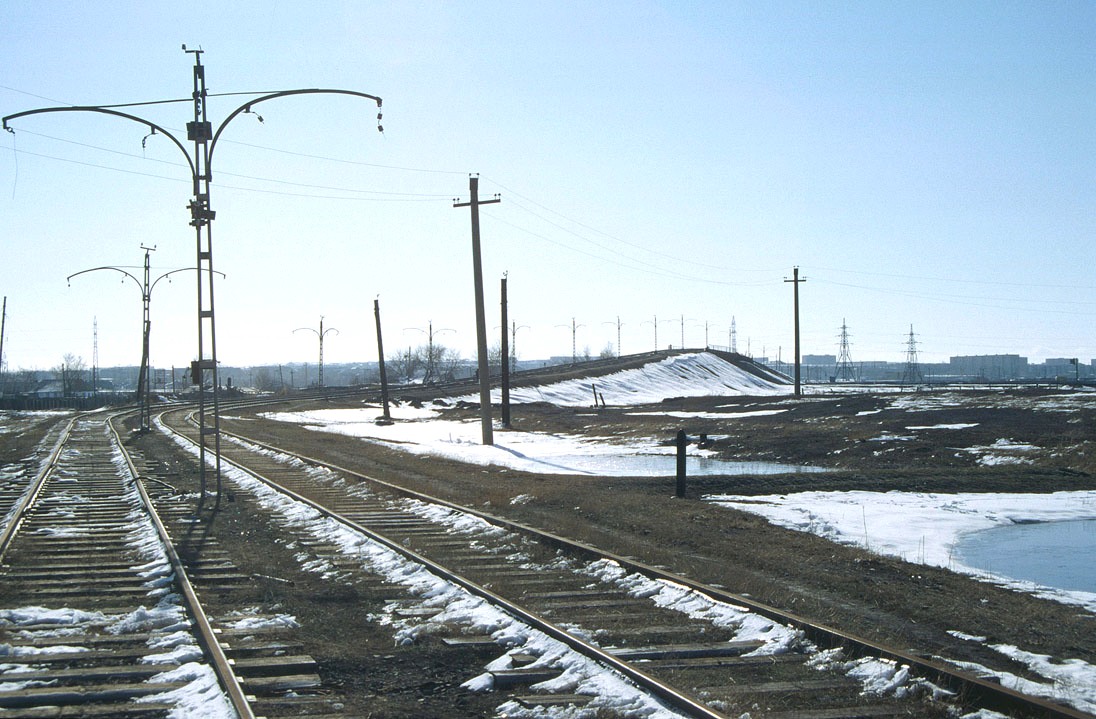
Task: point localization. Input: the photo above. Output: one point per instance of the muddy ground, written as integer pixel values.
(864, 438)
(906, 605)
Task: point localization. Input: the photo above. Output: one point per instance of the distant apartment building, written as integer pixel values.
(991, 368)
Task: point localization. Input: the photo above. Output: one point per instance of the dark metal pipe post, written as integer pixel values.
(682, 441)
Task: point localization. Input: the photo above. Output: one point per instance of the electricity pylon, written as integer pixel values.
(844, 371)
(912, 374)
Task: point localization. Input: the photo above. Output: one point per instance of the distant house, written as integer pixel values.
(50, 388)
(54, 388)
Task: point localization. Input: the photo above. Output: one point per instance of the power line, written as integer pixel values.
(143, 158)
(956, 280)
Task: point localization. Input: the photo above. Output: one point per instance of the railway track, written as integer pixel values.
(98, 616)
(695, 649)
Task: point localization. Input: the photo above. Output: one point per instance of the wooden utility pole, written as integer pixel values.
(795, 284)
(483, 366)
(380, 360)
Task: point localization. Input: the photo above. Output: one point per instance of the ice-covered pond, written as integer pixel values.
(1054, 554)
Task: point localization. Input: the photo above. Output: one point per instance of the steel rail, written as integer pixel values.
(983, 693)
(645, 681)
(206, 636)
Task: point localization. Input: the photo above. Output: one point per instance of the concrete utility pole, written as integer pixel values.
(795, 285)
(380, 360)
(321, 333)
(504, 362)
(200, 131)
(95, 356)
(3, 324)
(483, 365)
(145, 286)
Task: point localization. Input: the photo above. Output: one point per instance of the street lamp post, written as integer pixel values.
(319, 333)
(146, 287)
(200, 131)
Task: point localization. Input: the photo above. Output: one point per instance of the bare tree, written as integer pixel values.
(73, 374)
(438, 362)
(403, 365)
(264, 380)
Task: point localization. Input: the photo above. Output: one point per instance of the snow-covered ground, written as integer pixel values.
(700, 374)
(420, 431)
(921, 527)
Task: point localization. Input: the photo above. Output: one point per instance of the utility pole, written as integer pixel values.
(504, 360)
(3, 324)
(380, 360)
(574, 345)
(655, 324)
(683, 331)
(95, 356)
(200, 131)
(483, 366)
(146, 326)
(145, 285)
(618, 324)
(795, 286)
(320, 333)
(430, 356)
(514, 327)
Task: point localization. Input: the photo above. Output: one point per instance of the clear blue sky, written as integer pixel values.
(926, 164)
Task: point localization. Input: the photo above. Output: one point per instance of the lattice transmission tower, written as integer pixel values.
(912, 373)
(844, 371)
(734, 336)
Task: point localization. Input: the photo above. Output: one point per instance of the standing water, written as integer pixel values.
(654, 465)
(1054, 554)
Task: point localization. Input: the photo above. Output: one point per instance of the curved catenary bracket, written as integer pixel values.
(116, 269)
(106, 111)
(246, 107)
